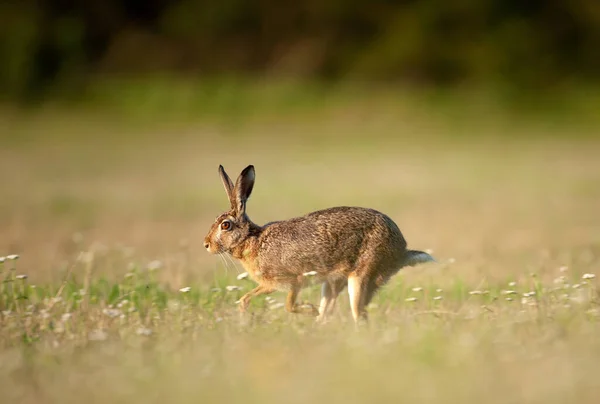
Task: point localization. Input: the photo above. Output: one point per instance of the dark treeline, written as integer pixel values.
(529, 43)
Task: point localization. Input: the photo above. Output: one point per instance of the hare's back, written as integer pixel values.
(331, 238)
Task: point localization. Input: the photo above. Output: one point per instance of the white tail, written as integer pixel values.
(414, 257)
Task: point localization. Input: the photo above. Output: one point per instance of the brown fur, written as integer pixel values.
(342, 244)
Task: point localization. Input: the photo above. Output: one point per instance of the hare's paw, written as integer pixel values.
(308, 309)
(244, 302)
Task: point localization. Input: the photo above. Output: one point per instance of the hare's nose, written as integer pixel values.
(206, 245)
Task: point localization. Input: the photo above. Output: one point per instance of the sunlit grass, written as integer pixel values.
(112, 298)
(128, 335)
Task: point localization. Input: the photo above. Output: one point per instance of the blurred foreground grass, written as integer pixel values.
(139, 341)
(107, 208)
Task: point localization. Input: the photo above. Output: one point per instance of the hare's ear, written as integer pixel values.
(243, 189)
(228, 184)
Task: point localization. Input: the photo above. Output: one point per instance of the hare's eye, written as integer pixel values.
(226, 225)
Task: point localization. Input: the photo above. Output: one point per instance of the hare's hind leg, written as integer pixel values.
(356, 293)
(329, 293)
(374, 284)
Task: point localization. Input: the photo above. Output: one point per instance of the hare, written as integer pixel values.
(339, 246)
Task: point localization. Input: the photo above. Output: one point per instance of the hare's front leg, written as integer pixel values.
(259, 290)
(292, 307)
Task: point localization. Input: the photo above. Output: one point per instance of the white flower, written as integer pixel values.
(185, 290)
(451, 260)
(12, 257)
(439, 290)
(86, 256)
(438, 298)
(476, 292)
(155, 265)
(65, 316)
(269, 299)
(594, 312)
(509, 292)
(241, 276)
(512, 284)
(276, 306)
(529, 294)
(231, 288)
(563, 269)
(112, 313)
(310, 273)
(580, 297)
(588, 276)
(2, 259)
(411, 299)
(560, 279)
(576, 286)
(417, 289)
(146, 332)
(22, 276)
(509, 299)
(97, 335)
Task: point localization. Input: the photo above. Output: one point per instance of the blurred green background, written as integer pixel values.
(67, 48)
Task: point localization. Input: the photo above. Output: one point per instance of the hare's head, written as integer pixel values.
(231, 228)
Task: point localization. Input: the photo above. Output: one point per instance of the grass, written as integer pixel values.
(138, 340)
(113, 299)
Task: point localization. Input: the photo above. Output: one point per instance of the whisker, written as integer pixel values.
(225, 263)
(237, 269)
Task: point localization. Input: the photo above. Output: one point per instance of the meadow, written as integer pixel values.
(109, 296)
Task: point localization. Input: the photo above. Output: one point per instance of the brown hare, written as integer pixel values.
(339, 246)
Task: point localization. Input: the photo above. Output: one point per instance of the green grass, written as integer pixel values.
(150, 104)
(137, 340)
(92, 199)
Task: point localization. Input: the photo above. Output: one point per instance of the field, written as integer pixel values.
(112, 297)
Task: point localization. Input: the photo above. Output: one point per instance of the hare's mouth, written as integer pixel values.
(213, 248)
